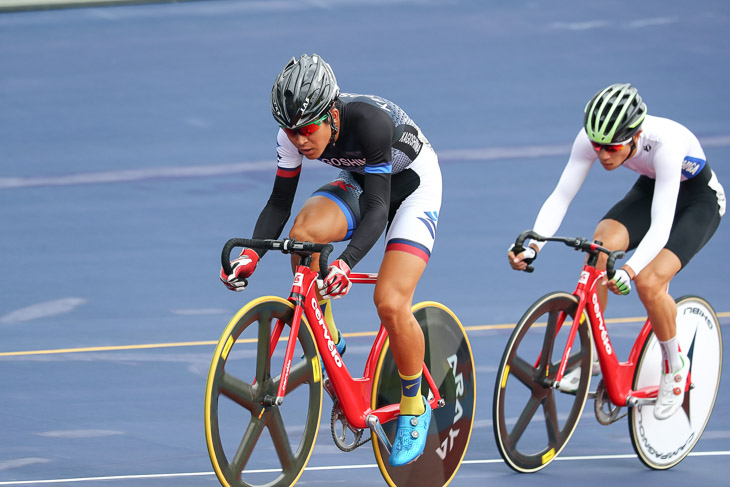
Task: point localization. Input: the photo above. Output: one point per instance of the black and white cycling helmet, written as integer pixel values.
(303, 91)
(614, 114)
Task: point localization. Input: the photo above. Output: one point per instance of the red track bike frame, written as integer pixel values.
(354, 394)
(618, 376)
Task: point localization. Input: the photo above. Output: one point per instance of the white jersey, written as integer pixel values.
(666, 152)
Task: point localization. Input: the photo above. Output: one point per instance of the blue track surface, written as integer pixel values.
(135, 140)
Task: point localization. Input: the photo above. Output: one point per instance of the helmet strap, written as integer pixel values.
(333, 126)
(631, 152)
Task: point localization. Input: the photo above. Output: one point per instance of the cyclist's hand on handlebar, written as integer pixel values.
(620, 283)
(520, 261)
(242, 268)
(337, 283)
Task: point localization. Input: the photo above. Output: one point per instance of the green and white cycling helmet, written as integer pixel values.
(614, 114)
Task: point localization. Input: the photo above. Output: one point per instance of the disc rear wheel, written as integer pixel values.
(450, 361)
(663, 444)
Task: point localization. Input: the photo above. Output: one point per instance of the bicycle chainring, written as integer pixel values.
(340, 427)
(606, 412)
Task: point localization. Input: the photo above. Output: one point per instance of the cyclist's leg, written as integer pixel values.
(397, 279)
(625, 224)
(409, 241)
(652, 284)
(399, 273)
(696, 219)
(321, 221)
(331, 214)
(614, 236)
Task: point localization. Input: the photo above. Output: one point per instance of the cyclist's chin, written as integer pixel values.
(610, 165)
(312, 154)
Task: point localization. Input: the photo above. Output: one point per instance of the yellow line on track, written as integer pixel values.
(115, 348)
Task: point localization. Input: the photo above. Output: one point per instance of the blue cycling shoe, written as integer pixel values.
(341, 348)
(341, 345)
(410, 437)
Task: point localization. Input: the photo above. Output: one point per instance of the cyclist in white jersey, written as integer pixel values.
(389, 177)
(668, 216)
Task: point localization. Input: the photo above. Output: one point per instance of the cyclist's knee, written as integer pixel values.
(391, 309)
(304, 230)
(650, 286)
(612, 234)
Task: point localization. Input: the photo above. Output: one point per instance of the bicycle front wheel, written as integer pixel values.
(663, 444)
(546, 417)
(250, 444)
(450, 361)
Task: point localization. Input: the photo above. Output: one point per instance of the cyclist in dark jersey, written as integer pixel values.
(671, 212)
(389, 177)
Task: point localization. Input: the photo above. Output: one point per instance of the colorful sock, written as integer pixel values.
(330, 320)
(410, 399)
(670, 355)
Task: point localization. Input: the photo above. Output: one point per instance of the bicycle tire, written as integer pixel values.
(451, 363)
(278, 440)
(661, 445)
(532, 444)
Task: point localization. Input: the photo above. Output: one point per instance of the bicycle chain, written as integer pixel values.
(338, 416)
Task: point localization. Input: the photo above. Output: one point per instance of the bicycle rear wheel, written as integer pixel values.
(663, 444)
(530, 441)
(241, 433)
(450, 361)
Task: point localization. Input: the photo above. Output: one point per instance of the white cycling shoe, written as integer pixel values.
(671, 391)
(571, 380)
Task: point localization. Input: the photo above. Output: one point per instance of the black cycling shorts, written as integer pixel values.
(696, 216)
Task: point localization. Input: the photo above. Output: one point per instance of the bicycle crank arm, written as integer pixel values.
(329, 388)
(374, 424)
(632, 401)
(640, 401)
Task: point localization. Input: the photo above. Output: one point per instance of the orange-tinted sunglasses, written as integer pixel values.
(610, 148)
(307, 130)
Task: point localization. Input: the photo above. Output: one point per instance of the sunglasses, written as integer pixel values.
(610, 148)
(307, 130)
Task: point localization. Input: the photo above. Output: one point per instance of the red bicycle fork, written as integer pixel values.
(353, 394)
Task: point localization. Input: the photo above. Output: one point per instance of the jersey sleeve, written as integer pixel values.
(287, 156)
(668, 167)
(375, 132)
(277, 211)
(553, 210)
(375, 201)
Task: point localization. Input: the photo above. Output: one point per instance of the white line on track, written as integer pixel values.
(330, 467)
(165, 173)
